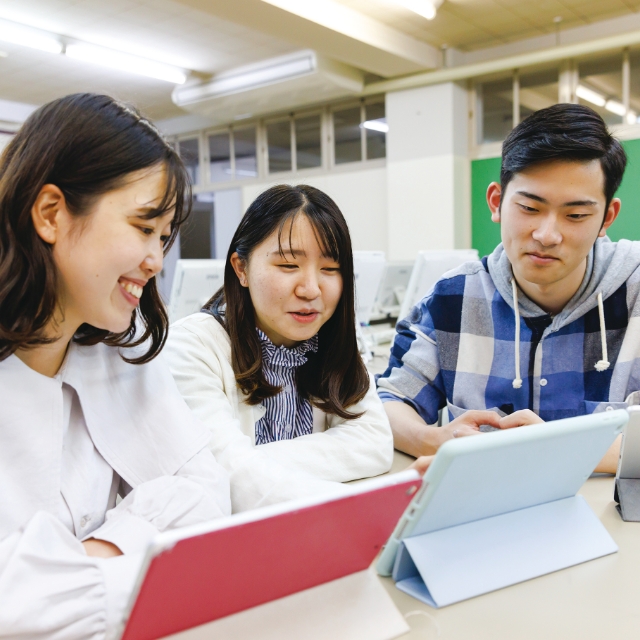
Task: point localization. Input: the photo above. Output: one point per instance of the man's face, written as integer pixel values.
(550, 216)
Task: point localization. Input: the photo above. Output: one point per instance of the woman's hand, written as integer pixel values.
(421, 464)
(100, 548)
(520, 418)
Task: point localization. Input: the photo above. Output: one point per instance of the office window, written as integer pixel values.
(376, 128)
(279, 146)
(220, 157)
(538, 90)
(245, 151)
(308, 131)
(600, 87)
(347, 135)
(190, 153)
(196, 235)
(495, 110)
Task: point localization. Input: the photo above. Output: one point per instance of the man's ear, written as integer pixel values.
(610, 216)
(47, 211)
(494, 194)
(240, 267)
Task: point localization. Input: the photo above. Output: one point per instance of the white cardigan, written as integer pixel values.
(139, 423)
(199, 354)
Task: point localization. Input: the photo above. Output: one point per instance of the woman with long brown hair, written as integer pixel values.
(271, 364)
(91, 197)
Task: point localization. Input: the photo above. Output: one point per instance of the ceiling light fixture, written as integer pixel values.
(424, 8)
(28, 37)
(125, 62)
(590, 96)
(376, 125)
(615, 107)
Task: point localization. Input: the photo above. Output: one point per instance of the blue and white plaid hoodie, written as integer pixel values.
(457, 348)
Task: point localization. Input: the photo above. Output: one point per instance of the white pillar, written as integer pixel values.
(428, 170)
(227, 213)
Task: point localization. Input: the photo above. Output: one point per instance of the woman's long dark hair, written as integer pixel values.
(85, 144)
(334, 378)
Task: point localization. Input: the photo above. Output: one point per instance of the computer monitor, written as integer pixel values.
(393, 286)
(429, 267)
(367, 268)
(194, 282)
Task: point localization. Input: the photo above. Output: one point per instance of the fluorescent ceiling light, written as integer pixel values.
(423, 8)
(591, 96)
(125, 62)
(615, 107)
(27, 37)
(376, 125)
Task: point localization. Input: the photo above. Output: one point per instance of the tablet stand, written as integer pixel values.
(355, 607)
(453, 564)
(627, 495)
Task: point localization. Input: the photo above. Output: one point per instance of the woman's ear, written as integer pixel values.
(47, 211)
(240, 267)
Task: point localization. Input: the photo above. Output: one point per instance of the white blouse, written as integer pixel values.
(68, 445)
(199, 354)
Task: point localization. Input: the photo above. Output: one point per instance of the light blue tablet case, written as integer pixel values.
(501, 508)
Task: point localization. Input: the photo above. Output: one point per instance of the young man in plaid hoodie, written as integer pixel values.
(547, 326)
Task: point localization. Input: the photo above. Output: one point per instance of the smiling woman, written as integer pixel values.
(50, 190)
(91, 197)
(272, 363)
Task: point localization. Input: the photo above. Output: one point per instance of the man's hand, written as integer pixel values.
(520, 418)
(414, 436)
(101, 548)
(468, 424)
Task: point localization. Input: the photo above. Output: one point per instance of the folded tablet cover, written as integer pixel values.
(228, 570)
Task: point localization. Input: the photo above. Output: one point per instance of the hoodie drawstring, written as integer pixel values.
(602, 365)
(517, 383)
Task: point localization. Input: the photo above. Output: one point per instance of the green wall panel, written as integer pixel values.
(628, 223)
(485, 235)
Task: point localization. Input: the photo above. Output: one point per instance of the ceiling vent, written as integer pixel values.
(278, 84)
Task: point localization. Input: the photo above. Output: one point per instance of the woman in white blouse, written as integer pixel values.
(272, 363)
(90, 198)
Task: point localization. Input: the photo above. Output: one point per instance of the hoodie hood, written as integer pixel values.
(609, 266)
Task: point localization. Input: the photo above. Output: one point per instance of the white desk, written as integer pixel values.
(597, 600)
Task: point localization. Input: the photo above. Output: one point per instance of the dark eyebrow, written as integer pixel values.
(148, 212)
(580, 203)
(573, 203)
(532, 196)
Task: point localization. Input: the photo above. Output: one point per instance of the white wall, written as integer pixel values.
(361, 195)
(428, 203)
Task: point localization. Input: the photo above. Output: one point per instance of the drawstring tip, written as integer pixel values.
(517, 383)
(602, 365)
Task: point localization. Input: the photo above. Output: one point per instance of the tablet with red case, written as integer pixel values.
(200, 574)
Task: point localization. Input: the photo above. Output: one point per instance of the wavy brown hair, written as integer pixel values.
(85, 144)
(334, 378)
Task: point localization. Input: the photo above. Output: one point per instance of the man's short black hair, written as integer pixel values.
(563, 132)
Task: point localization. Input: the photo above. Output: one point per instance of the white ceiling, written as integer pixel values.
(210, 36)
(157, 29)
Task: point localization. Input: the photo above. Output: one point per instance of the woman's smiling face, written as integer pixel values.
(105, 259)
(295, 288)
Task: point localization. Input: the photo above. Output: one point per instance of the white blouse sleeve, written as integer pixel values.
(49, 587)
(198, 492)
(257, 478)
(348, 449)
